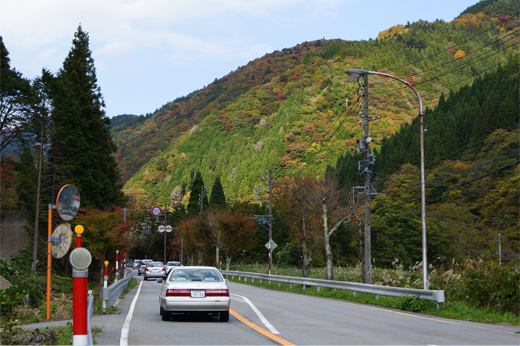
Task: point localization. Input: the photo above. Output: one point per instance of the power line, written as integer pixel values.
(451, 188)
(466, 63)
(458, 44)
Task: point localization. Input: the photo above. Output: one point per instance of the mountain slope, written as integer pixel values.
(286, 111)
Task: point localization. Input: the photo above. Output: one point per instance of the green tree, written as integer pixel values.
(14, 99)
(162, 164)
(82, 130)
(196, 191)
(217, 198)
(25, 183)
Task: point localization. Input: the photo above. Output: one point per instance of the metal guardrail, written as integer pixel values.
(90, 308)
(111, 293)
(431, 295)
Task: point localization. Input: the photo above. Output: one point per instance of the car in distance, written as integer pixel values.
(142, 266)
(194, 290)
(154, 270)
(135, 263)
(172, 264)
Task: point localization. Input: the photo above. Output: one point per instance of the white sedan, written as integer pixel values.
(194, 289)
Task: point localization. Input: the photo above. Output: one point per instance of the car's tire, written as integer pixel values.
(224, 316)
(160, 311)
(166, 315)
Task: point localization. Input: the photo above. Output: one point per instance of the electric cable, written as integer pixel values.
(451, 188)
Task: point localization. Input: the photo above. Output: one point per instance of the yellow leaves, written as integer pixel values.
(460, 54)
(392, 32)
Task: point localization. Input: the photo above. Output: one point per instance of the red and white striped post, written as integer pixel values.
(80, 259)
(117, 265)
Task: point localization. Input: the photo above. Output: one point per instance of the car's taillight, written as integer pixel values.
(147, 269)
(218, 293)
(170, 292)
(163, 270)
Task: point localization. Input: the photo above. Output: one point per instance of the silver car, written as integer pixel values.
(154, 270)
(194, 289)
(172, 264)
(142, 266)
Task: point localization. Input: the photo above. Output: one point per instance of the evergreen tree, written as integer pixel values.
(25, 182)
(82, 130)
(14, 99)
(196, 190)
(217, 198)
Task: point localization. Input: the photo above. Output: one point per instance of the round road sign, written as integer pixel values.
(156, 211)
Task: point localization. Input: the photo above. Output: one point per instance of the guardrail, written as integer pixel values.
(431, 295)
(90, 308)
(111, 293)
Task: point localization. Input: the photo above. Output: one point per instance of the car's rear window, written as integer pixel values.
(181, 274)
(155, 264)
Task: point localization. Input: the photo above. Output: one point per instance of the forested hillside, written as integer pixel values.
(472, 155)
(286, 111)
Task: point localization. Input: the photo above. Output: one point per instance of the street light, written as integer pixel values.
(357, 73)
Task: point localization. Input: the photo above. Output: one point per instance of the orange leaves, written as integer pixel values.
(104, 231)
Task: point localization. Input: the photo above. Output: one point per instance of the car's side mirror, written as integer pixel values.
(226, 280)
(159, 281)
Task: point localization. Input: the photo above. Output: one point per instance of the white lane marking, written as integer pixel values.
(259, 314)
(126, 326)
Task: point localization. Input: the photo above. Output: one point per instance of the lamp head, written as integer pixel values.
(356, 73)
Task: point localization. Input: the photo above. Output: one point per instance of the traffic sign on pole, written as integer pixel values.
(271, 245)
(156, 211)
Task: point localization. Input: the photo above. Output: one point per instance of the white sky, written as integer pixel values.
(149, 52)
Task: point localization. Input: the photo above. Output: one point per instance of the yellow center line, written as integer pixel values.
(259, 329)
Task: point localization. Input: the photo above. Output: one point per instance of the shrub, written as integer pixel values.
(413, 304)
(487, 285)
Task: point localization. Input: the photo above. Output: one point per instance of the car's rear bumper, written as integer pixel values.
(183, 304)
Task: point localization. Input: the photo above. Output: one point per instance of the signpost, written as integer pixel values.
(270, 245)
(164, 230)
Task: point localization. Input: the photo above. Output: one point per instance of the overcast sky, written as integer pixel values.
(149, 52)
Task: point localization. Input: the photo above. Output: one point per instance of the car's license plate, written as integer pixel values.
(198, 293)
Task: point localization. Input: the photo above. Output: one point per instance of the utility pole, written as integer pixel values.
(368, 159)
(201, 198)
(499, 250)
(263, 219)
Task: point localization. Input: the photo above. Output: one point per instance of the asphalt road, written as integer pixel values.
(261, 316)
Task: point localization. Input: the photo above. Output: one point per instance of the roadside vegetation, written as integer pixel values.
(25, 302)
(494, 296)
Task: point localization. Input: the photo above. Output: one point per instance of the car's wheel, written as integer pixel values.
(166, 315)
(160, 310)
(224, 316)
